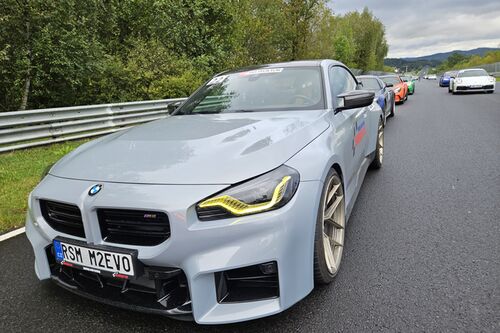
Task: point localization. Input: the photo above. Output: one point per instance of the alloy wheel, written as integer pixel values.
(333, 225)
(380, 145)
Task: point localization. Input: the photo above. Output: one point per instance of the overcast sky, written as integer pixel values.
(422, 27)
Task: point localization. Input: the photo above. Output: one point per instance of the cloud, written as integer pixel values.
(416, 28)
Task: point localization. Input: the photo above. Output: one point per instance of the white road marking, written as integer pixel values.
(12, 233)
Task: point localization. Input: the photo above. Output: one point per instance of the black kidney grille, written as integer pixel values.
(133, 227)
(63, 217)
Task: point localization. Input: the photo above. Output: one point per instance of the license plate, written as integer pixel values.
(109, 261)
(476, 86)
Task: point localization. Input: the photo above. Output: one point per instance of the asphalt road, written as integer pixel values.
(422, 246)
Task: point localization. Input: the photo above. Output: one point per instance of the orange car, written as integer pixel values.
(398, 86)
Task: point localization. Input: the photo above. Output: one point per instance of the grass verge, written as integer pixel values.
(20, 172)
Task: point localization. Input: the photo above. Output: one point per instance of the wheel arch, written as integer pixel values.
(338, 169)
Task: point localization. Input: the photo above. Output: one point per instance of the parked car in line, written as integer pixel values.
(444, 80)
(215, 213)
(471, 80)
(384, 96)
(432, 77)
(397, 85)
(409, 83)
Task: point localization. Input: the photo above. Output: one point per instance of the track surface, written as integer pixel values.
(422, 245)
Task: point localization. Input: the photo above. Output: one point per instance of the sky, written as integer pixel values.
(422, 27)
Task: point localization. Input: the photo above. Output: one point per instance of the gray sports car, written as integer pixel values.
(384, 96)
(230, 209)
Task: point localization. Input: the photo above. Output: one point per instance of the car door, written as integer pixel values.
(355, 141)
(388, 98)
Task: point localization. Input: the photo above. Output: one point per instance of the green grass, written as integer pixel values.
(498, 78)
(20, 172)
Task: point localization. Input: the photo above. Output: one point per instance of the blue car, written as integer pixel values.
(444, 80)
(383, 95)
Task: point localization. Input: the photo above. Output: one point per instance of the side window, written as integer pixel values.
(340, 81)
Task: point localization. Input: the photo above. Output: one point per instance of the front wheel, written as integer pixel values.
(330, 229)
(379, 150)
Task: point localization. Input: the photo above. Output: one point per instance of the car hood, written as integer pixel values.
(195, 149)
(397, 85)
(482, 80)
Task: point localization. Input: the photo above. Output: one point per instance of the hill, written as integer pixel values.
(433, 60)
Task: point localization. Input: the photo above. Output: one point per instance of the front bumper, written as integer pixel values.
(444, 83)
(199, 249)
(399, 96)
(467, 88)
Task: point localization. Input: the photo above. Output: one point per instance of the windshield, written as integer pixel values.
(263, 89)
(391, 79)
(472, 73)
(370, 83)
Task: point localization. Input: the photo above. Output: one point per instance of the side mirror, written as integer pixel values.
(172, 107)
(354, 99)
(388, 85)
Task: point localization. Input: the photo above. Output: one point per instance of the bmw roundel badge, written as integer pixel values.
(95, 189)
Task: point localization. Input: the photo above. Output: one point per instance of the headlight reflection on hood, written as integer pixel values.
(264, 193)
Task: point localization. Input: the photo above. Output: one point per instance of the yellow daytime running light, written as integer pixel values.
(238, 207)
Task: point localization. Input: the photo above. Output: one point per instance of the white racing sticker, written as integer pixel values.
(217, 79)
(262, 71)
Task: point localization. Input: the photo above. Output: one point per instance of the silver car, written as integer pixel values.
(230, 209)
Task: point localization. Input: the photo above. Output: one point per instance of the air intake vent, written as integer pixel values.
(246, 284)
(212, 213)
(133, 227)
(63, 217)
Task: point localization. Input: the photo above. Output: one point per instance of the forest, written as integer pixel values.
(72, 52)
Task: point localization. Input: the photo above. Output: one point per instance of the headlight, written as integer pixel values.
(458, 81)
(261, 194)
(397, 90)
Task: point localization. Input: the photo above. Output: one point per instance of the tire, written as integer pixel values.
(330, 232)
(379, 149)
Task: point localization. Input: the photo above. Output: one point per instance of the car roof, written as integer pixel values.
(298, 63)
(367, 77)
(470, 69)
(389, 75)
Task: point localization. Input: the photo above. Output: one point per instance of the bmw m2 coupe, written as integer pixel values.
(384, 96)
(230, 209)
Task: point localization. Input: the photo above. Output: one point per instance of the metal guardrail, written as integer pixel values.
(492, 69)
(23, 129)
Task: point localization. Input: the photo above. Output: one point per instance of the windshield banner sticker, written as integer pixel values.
(262, 71)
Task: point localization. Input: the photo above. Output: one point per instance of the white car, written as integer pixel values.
(470, 80)
(432, 77)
